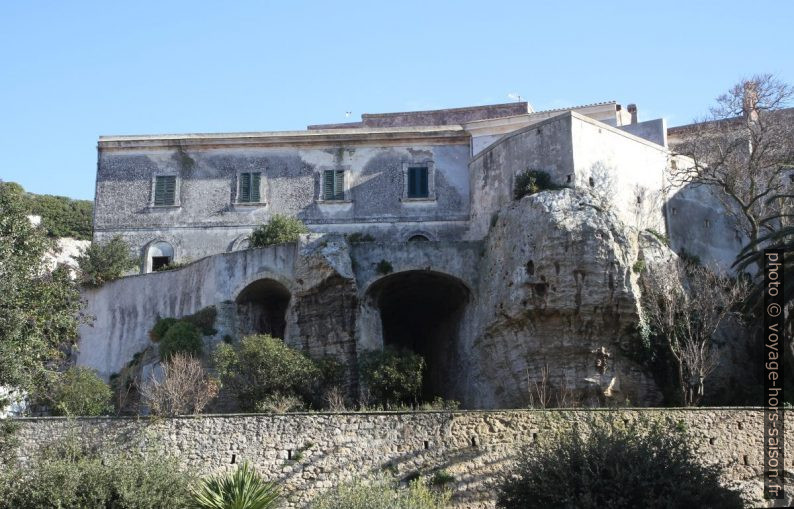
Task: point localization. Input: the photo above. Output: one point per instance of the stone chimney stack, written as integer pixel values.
(750, 101)
(633, 112)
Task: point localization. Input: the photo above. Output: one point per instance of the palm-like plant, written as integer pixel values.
(243, 489)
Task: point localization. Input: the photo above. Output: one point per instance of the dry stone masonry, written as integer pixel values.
(309, 453)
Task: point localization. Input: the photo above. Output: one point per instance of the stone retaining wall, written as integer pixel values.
(309, 453)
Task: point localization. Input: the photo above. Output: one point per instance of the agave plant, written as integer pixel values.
(243, 489)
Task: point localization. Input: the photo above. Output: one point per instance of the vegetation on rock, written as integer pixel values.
(101, 263)
(60, 216)
(392, 377)
(532, 181)
(181, 337)
(262, 367)
(184, 388)
(280, 229)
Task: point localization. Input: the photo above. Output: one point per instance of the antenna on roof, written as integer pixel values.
(348, 113)
(514, 96)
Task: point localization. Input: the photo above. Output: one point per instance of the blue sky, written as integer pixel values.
(70, 71)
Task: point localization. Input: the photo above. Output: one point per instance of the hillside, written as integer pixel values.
(61, 216)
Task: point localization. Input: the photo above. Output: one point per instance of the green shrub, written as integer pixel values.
(384, 267)
(616, 465)
(160, 328)
(382, 493)
(638, 267)
(280, 229)
(79, 391)
(181, 337)
(531, 182)
(660, 237)
(101, 263)
(262, 366)
(393, 377)
(204, 319)
(68, 476)
(60, 216)
(173, 266)
(242, 489)
(360, 237)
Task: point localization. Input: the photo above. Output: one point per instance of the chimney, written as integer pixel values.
(750, 101)
(633, 112)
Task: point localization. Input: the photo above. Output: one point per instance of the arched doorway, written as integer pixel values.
(262, 308)
(159, 253)
(421, 311)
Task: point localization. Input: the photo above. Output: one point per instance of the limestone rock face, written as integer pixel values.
(557, 295)
(322, 318)
(65, 253)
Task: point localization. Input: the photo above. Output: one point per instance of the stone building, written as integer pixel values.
(490, 289)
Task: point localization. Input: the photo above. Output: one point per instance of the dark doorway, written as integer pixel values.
(158, 262)
(262, 308)
(421, 311)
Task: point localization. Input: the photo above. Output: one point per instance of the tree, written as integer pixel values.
(280, 229)
(78, 391)
(744, 150)
(39, 310)
(686, 304)
(101, 263)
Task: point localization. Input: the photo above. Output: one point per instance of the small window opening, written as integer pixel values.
(418, 182)
(427, 444)
(591, 182)
(474, 441)
(531, 268)
(158, 262)
(418, 238)
(707, 223)
(675, 211)
(568, 179)
(234, 457)
(289, 454)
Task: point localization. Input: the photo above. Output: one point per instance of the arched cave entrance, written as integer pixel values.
(262, 308)
(421, 311)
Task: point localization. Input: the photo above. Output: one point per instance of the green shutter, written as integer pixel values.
(255, 178)
(328, 185)
(245, 188)
(339, 185)
(422, 182)
(417, 182)
(164, 190)
(170, 190)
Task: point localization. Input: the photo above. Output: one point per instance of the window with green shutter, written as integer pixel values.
(165, 190)
(333, 185)
(417, 182)
(249, 188)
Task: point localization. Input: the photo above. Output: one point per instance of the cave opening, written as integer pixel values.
(421, 311)
(262, 308)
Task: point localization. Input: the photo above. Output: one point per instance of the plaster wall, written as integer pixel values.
(627, 171)
(126, 309)
(207, 218)
(476, 448)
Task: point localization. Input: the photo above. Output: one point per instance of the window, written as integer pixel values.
(333, 185)
(165, 190)
(248, 191)
(417, 182)
(418, 238)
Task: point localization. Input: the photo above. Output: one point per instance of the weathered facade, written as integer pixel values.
(498, 290)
